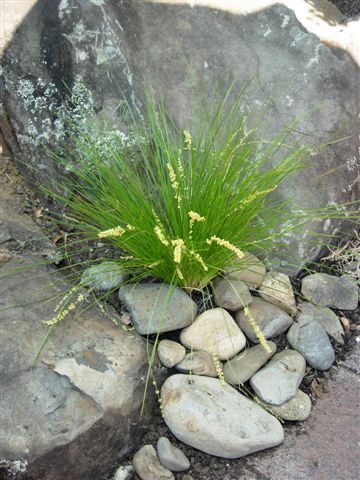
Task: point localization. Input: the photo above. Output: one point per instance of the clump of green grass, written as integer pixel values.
(183, 205)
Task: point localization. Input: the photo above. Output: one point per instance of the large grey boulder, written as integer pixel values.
(99, 47)
(215, 418)
(82, 399)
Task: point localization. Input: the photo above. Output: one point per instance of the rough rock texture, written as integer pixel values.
(240, 368)
(296, 409)
(309, 337)
(327, 318)
(110, 46)
(68, 409)
(157, 307)
(271, 320)
(231, 294)
(148, 467)
(215, 418)
(279, 380)
(216, 332)
(249, 270)
(330, 291)
(276, 288)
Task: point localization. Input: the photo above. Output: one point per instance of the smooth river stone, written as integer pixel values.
(198, 363)
(215, 332)
(157, 307)
(327, 318)
(279, 380)
(330, 291)
(104, 276)
(271, 320)
(231, 294)
(147, 465)
(170, 456)
(309, 337)
(240, 368)
(295, 410)
(276, 288)
(215, 418)
(170, 353)
(249, 270)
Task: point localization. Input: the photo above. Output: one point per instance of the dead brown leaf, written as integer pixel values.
(345, 323)
(317, 388)
(39, 213)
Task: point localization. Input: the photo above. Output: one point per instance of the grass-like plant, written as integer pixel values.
(183, 205)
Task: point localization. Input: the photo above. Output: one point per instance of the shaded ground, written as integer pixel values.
(347, 7)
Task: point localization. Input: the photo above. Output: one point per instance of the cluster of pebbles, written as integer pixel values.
(228, 389)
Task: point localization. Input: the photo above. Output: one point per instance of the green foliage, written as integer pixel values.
(183, 206)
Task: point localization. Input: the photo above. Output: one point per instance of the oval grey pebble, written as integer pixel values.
(171, 457)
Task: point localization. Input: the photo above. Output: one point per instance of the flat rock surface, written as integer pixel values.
(279, 380)
(65, 408)
(271, 320)
(216, 332)
(240, 368)
(309, 337)
(330, 291)
(157, 307)
(215, 418)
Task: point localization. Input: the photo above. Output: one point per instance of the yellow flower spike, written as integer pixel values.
(174, 183)
(259, 334)
(61, 315)
(179, 273)
(198, 257)
(219, 370)
(187, 139)
(255, 195)
(226, 244)
(179, 246)
(161, 236)
(112, 232)
(196, 217)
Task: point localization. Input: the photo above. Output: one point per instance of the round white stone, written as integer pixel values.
(216, 332)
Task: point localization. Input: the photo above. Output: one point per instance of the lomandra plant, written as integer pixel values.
(183, 205)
